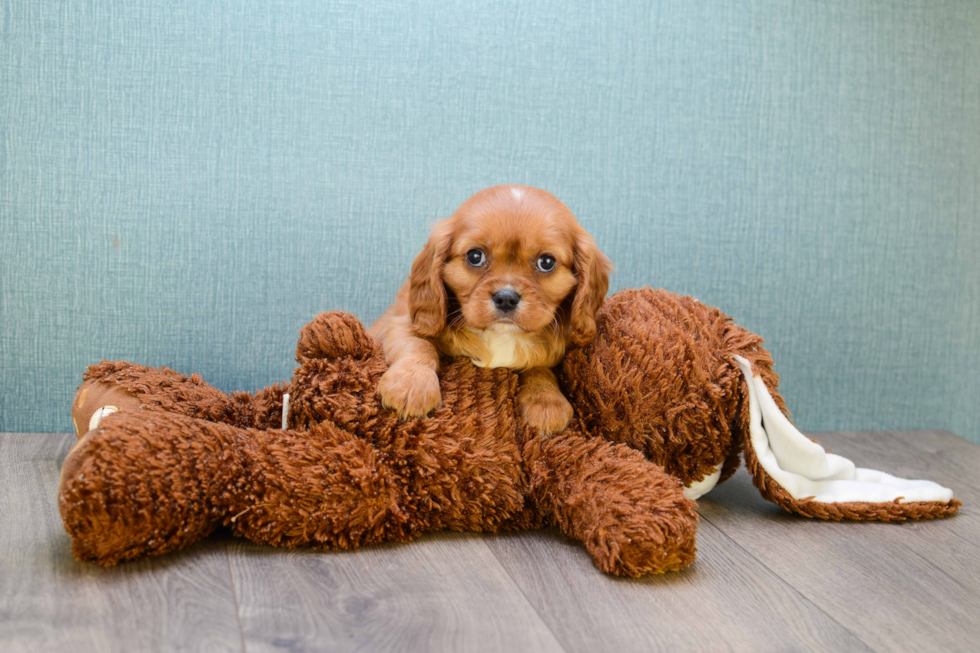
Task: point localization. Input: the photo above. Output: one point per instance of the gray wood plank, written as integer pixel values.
(726, 601)
(442, 592)
(51, 602)
(764, 579)
(945, 458)
(899, 587)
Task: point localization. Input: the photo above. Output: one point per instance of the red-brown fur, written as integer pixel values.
(445, 307)
(659, 402)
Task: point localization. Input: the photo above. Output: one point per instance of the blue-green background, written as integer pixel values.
(187, 183)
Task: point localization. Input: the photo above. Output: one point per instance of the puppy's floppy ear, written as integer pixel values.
(592, 270)
(426, 292)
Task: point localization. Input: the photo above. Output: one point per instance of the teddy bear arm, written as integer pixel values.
(631, 515)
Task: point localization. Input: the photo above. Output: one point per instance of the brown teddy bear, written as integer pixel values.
(666, 397)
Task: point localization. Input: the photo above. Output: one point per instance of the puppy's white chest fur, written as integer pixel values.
(503, 343)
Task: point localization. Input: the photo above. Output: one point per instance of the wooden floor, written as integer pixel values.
(764, 580)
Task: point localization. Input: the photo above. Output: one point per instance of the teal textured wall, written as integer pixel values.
(187, 183)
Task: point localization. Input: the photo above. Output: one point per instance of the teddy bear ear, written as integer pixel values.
(334, 335)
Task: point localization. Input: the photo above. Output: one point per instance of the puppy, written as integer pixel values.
(508, 281)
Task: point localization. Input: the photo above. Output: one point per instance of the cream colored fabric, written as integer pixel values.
(702, 487)
(804, 469)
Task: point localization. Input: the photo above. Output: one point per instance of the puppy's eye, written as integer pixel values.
(476, 257)
(546, 262)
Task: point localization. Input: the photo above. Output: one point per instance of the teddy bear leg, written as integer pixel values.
(325, 487)
(632, 516)
(147, 482)
(113, 386)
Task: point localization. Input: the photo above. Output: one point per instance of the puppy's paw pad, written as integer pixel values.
(410, 391)
(549, 413)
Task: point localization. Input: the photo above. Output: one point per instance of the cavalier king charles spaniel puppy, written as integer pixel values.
(508, 281)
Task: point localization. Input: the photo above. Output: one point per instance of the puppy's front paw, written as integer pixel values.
(549, 412)
(411, 390)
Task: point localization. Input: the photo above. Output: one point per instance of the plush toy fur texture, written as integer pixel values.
(659, 403)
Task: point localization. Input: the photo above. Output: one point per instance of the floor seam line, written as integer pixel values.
(786, 582)
(234, 595)
(500, 563)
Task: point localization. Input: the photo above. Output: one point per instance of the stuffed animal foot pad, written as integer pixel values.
(797, 473)
(95, 400)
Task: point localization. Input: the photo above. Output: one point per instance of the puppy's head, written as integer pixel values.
(512, 258)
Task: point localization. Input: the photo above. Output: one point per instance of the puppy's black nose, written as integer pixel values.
(506, 300)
